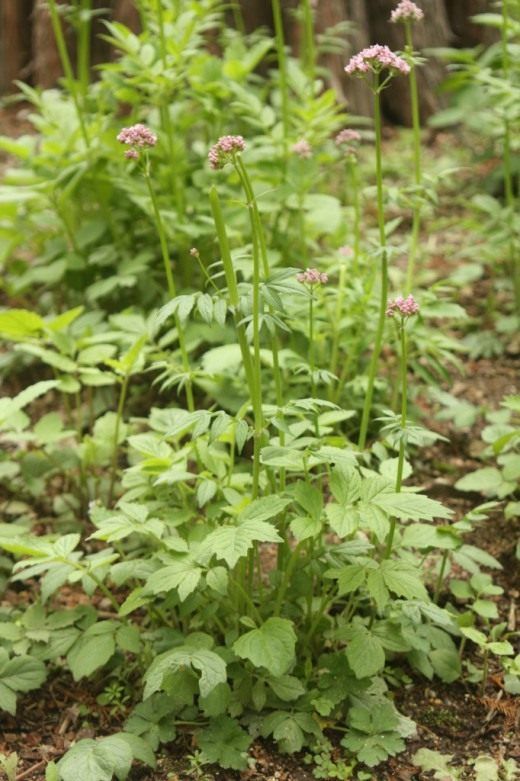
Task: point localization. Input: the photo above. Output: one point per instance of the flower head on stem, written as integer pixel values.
(137, 137)
(405, 307)
(347, 139)
(406, 11)
(302, 148)
(311, 276)
(224, 150)
(375, 59)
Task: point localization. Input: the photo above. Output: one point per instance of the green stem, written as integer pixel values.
(293, 560)
(252, 377)
(257, 228)
(309, 50)
(440, 577)
(356, 202)
(83, 53)
(171, 285)
(514, 256)
(119, 415)
(247, 599)
(402, 443)
(416, 125)
(282, 75)
(311, 343)
(338, 314)
(374, 362)
(166, 120)
(67, 68)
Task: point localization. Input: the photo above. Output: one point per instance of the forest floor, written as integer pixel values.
(456, 719)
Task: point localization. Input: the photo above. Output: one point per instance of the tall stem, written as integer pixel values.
(171, 285)
(384, 271)
(354, 178)
(83, 53)
(338, 314)
(164, 111)
(282, 74)
(402, 442)
(119, 416)
(257, 228)
(416, 125)
(255, 388)
(67, 68)
(508, 173)
(309, 50)
(311, 343)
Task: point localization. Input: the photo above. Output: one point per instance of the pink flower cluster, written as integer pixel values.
(346, 251)
(311, 276)
(375, 58)
(406, 307)
(225, 148)
(302, 148)
(406, 11)
(347, 136)
(136, 136)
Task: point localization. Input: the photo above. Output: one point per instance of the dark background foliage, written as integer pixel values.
(28, 52)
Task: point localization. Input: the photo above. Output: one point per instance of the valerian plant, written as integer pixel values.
(250, 570)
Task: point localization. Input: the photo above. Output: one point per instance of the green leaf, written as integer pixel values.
(310, 498)
(20, 323)
(270, 646)
(485, 608)
(365, 653)
(230, 543)
(210, 665)
(404, 580)
(182, 575)
(263, 509)
(97, 760)
(483, 481)
(19, 674)
(446, 664)
(287, 687)
(93, 649)
(415, 507)
(225, 743)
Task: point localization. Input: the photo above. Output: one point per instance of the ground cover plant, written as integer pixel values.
(228, 356)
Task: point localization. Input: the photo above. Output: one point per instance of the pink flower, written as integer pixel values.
(221, 152)
(346, 136)
(406, 11)
(311, 276)
(302, 148)
(137, 135)
(374, 59)
(406, 307)
(132, 154)
(346, 251)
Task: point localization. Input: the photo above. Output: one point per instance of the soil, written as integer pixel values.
(455, 719)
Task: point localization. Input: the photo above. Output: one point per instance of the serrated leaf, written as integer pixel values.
(403, 580)
(210, 665)
(97, 760)
(226, 743)
(407, 506)
(287, 687)
(365, 653)
(270, 646)
(182, 575)
(230, 543)
(93, 649)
